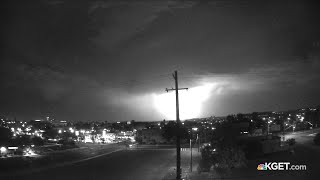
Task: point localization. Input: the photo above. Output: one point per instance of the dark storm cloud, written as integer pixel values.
(107, 60)
(223, 37)
(249, 47)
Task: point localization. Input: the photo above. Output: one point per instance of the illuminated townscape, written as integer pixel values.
(160, 90)
(29, 135)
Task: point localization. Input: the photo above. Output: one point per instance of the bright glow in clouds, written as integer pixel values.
(190, 102)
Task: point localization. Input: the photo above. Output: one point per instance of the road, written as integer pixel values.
(303, 137)
(144, 163)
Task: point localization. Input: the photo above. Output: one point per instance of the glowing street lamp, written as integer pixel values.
(193, 129)
(3, 150)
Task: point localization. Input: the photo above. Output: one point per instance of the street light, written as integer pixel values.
(268, 122)
(193, 129)
(3, 150)
(190, 155)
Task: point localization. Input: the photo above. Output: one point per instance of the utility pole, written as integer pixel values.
(267, 127)
(175, 76)
(198, 142)
(283, 138)
(191, 154)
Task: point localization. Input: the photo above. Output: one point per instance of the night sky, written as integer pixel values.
(112, 60)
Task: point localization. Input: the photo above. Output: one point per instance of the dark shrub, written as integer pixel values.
(204, 165)
(253, 149)
(37, 141)
(66, 142)
(291, 141)
(316, 139)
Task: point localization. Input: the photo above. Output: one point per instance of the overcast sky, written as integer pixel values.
(112, 60)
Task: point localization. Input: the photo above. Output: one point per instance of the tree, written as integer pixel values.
(50, 133)
(37, 141)
(230, 118)
(228, 154)
(206, 160)
(170, 131)
(5, 135)
(22, 140)
(67, 135)
(258, 122)
(228, 157)
(138, 137)
(240, 117)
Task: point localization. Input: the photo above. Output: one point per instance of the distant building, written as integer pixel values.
(60, 123)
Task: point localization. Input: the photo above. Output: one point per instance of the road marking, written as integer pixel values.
(89, 158)
(150, 149)
(157, 149)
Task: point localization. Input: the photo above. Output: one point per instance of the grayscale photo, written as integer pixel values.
(160, 90)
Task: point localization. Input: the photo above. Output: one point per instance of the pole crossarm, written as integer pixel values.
(172, 89)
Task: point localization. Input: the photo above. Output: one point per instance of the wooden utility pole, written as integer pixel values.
(175, 76)
(198, 142)
(191, 154)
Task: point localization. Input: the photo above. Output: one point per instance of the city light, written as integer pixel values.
(3, 149)
(13, 148)
(28, 152)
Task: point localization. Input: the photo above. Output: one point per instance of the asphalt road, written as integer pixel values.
(137, 164)
(303, 137)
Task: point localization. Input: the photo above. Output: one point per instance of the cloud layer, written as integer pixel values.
(108, 60)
